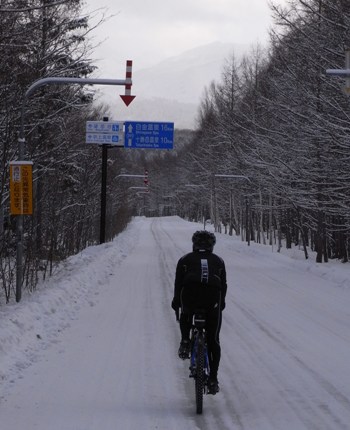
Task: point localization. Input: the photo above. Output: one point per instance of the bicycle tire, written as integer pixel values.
(199, 380)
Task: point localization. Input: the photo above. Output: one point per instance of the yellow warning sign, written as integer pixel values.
(21, 188)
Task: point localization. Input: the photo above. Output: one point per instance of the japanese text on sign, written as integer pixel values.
(21, 188)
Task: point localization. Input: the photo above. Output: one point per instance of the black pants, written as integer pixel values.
(213, 325)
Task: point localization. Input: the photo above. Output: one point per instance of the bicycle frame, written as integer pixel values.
(198, 336)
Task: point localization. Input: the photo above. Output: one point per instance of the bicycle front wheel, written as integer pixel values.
(199, 380)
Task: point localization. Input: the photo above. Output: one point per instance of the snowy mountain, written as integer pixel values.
(172, 89)
(184, 77)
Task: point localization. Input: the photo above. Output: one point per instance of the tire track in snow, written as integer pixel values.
(306, 407)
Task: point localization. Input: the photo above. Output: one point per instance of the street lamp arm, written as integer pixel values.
(80, 81)
(61, 80)
(338, 72)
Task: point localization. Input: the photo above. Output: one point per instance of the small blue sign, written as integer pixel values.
(105, 138)
(104, 126)
(151, 135)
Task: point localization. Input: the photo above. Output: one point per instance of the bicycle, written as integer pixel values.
(199, 362)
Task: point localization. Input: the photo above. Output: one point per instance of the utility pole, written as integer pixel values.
(127, 82)
(103, 191)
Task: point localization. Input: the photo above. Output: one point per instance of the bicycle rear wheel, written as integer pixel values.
(199, 380)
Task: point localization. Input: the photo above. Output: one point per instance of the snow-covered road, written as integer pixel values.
(97, 348)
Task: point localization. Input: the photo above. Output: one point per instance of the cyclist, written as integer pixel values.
(200, 282)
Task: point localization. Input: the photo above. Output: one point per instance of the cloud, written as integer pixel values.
(190, 10)
(148, 31)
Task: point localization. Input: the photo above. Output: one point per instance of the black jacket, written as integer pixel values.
(200, 269)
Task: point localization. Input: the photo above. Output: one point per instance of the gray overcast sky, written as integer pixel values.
(148, 31)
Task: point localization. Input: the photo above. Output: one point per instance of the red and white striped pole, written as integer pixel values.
(128, 98)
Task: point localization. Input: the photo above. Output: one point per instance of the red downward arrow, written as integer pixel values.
(127, 99)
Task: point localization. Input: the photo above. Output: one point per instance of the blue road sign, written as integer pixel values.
(151, 135)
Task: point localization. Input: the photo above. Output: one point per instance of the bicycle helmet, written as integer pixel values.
(203, 240)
